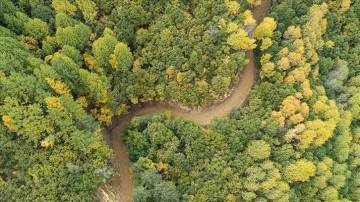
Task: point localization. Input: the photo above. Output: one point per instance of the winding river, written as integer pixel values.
(119, 187)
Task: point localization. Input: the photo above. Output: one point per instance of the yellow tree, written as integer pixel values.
(300, 171)
(345, 5)
(254, 2)
(265, 28)
(240, 40)
(248, 18)
(232, 6)
(63, 6)
(88, 9)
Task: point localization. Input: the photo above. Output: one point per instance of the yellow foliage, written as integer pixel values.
(63, 6)
(53, 102)
(345, 5)
(179, 77)
(284, 52)
(222, 23)
(305, 85)
(232, 6)
(248, 18)
(136, 66)
(29, 42)
(292, 32)
(113, 61)
(292, 111)
(296, 118)
(232, 27)
(267, 70)
(104, 115)
(316, 130)
(298, 95)
(290, 79)
(284, 63)
(88, 9)
(329, 44)
(240, 40)
(265, 58)
(48, 142)
(300, 171)
(82, 101)
(304, 109)
(296, 59)
(170, 71)
(299, 45)
(265, 28)
(299, 75)
(58, 86)
(230, 198)
(134, 100)
(8, 122)
(121, 109)
(254, 2)
(293, 133)
(48, 58)
(104, 97)
(2, 74)
(266, 43)
(315, 28)
(89, 61)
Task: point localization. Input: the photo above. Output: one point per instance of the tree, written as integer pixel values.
(240, 40)
(265, 28)
(258, 150)
(300, 171)
(36, 28)
(122, 58)
(63, 6)
(63, 20)
(88, 9)
(102, 49)
(76, 36)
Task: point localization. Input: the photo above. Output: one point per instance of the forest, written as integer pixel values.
(69, 68)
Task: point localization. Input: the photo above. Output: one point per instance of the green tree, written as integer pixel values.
(36, 28)
(76, 36)
(122, 58)
(102, 49)
(258, 150)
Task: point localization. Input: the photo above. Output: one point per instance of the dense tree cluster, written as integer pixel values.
(68, 66)
(298, 137)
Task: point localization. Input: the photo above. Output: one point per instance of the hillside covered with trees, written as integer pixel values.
(68, 67)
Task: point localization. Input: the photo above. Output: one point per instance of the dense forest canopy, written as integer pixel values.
(296, 140)
(67, 67)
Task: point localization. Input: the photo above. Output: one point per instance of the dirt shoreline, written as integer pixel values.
(119, 188)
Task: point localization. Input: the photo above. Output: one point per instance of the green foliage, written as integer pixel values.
(297, 139)
(122, 58)
(63, 20)
(76, 36)
(258, 150)
(36, 28)
(181, 49)
(102, 48)
(51, 151)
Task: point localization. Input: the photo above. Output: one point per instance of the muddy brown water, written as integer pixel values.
(120, 186)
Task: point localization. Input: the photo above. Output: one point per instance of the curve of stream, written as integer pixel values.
(119, 187)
